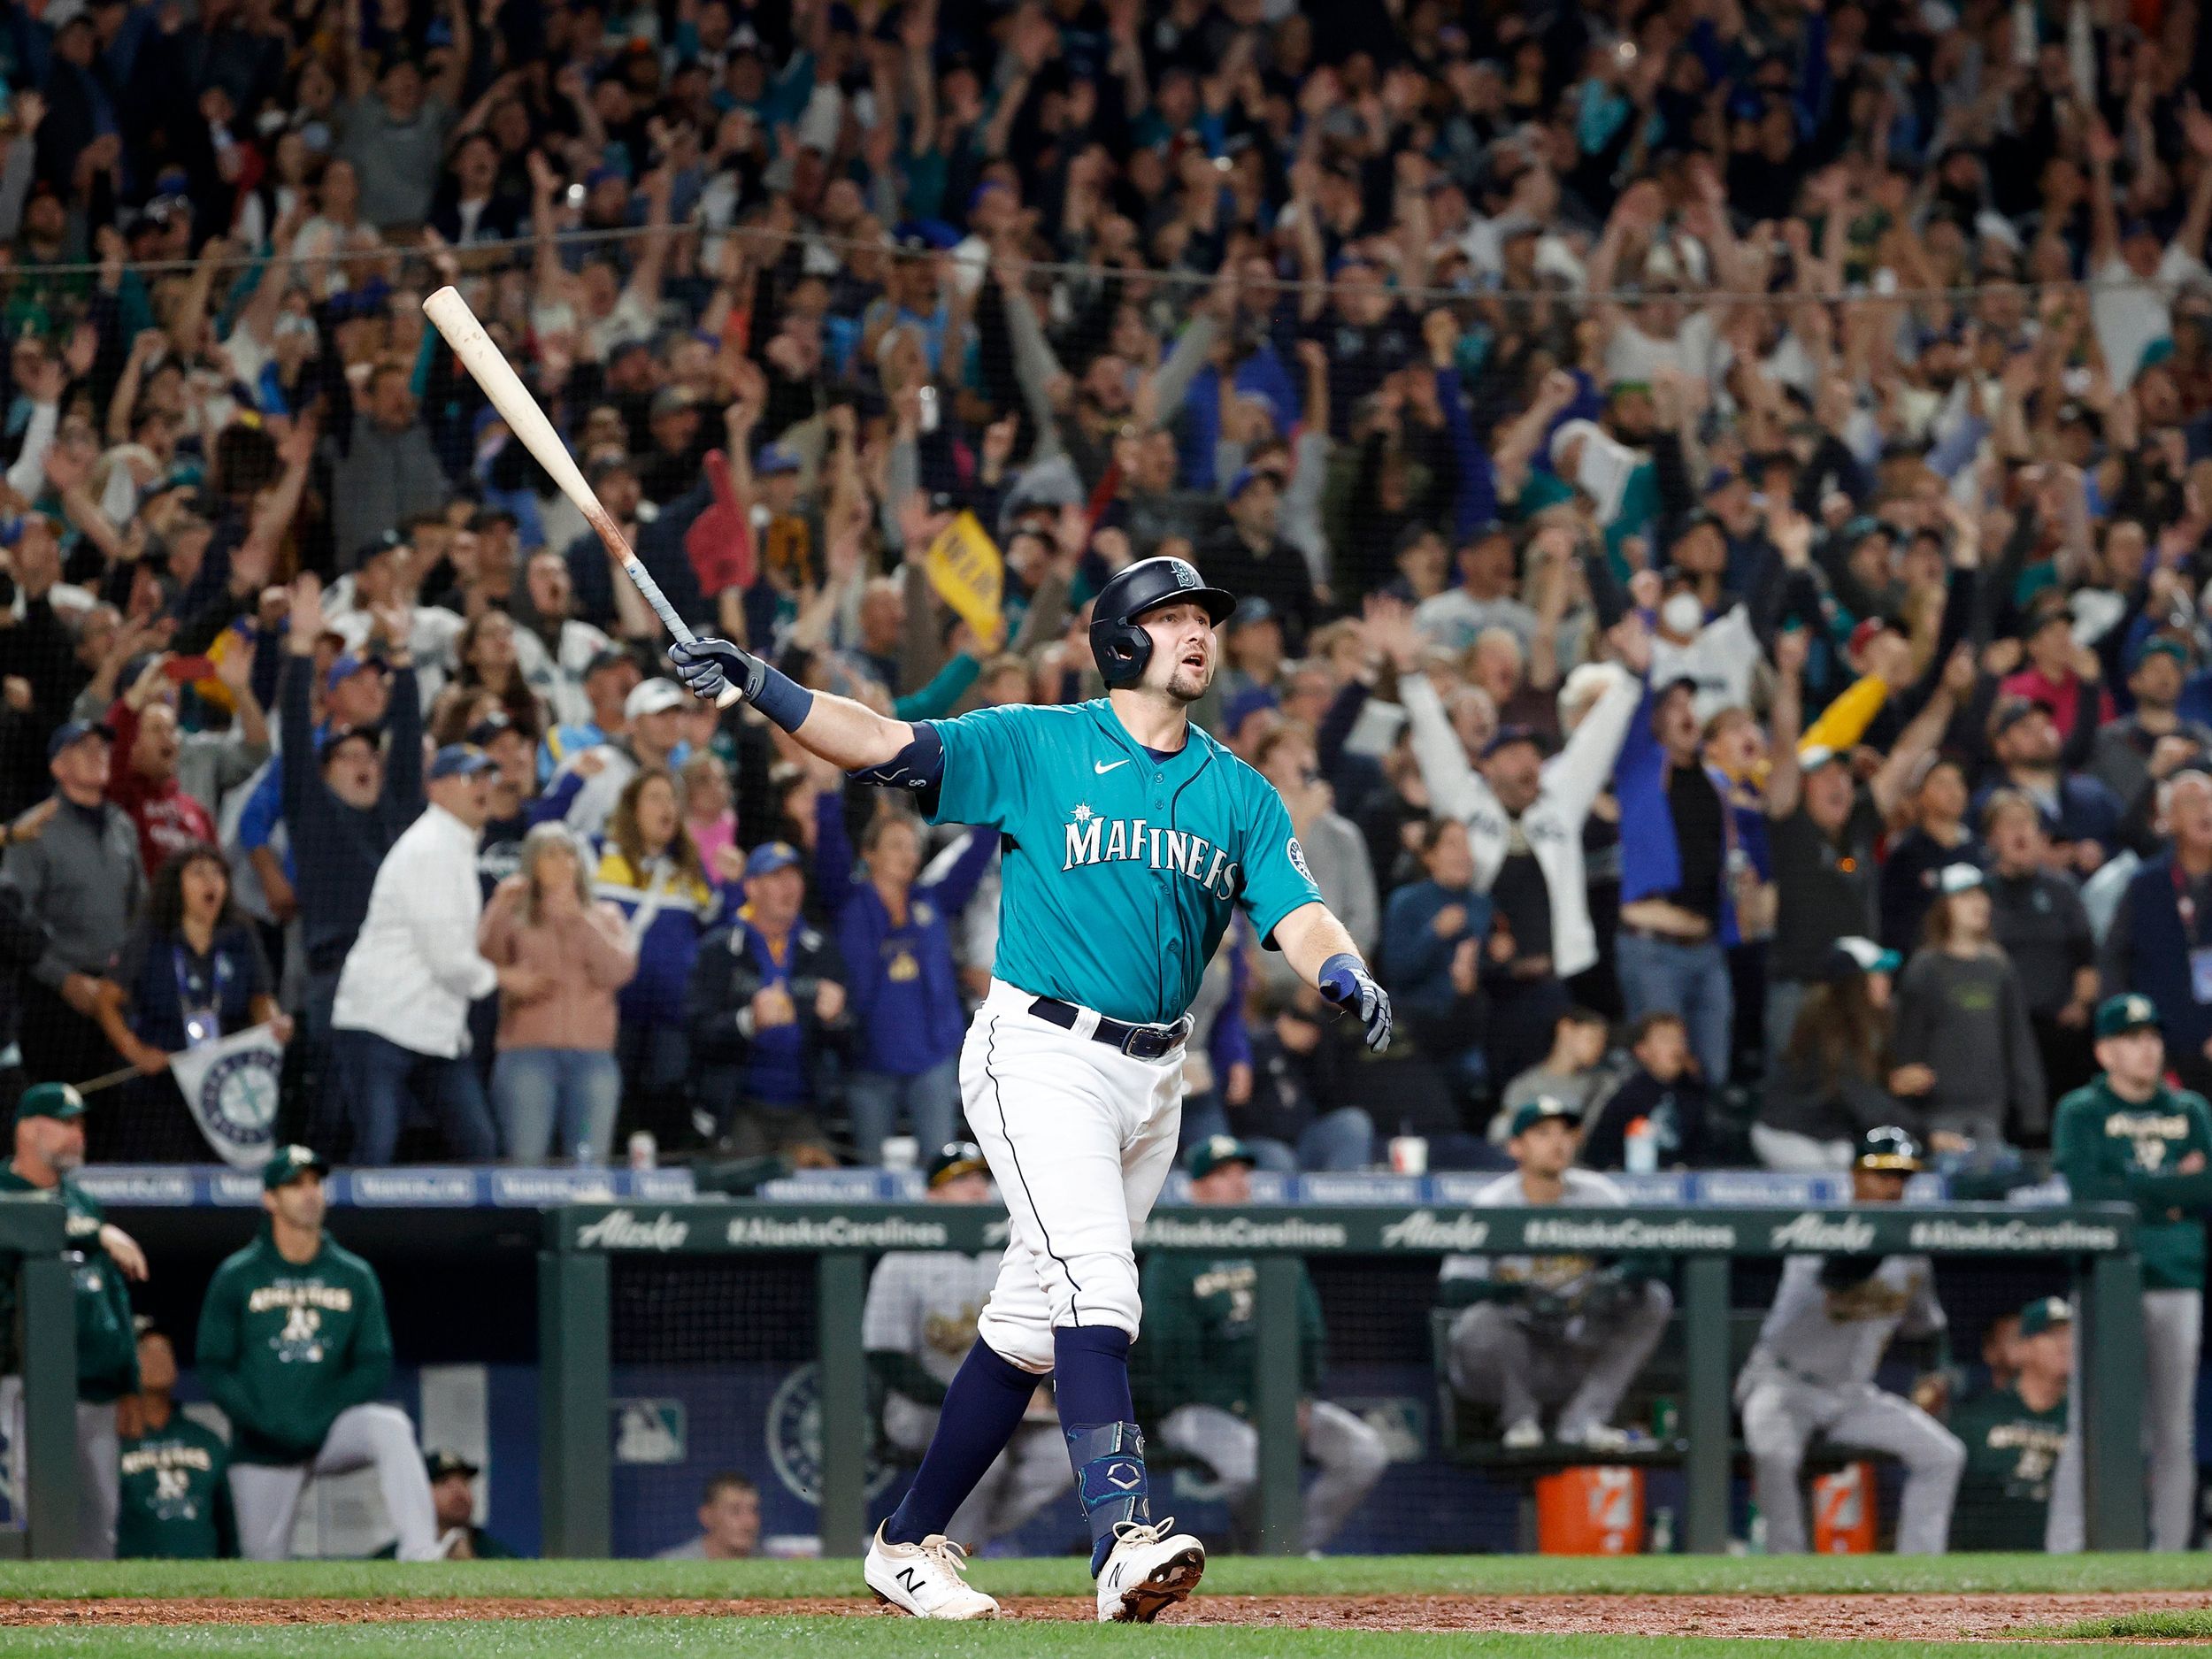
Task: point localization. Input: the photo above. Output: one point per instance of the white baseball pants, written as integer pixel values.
(1348, 1452)
(99, 1473)
(2173, 1334)
(1079, 1138)
(266, 1496)
(1781, 1414)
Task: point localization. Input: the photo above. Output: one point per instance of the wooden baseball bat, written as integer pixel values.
(491, 369)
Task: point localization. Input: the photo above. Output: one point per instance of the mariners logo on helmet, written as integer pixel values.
(1118, 640)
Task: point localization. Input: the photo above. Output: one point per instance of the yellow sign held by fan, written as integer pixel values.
(965, 566)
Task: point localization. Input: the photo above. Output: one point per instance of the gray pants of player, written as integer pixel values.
(2173, 1331)
(266, 1496)
(99, 1475)
(1350, 1453)
(1499, 1357)
(1782, 1413)
(1029, 1474)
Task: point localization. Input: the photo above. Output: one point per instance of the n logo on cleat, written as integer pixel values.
(910, 1580)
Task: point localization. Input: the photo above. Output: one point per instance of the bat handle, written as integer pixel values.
(729, 694)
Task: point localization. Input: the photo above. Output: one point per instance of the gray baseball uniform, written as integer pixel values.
(1564, 1331)
(1813, 1372)
(917, 1327)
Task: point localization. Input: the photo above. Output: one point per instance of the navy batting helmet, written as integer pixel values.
(1888, 1148)
(1119, 643)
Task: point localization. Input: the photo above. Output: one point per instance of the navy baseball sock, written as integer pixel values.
(983, 1406)
(1091, 1371)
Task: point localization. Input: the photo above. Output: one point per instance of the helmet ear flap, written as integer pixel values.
(1123, 649)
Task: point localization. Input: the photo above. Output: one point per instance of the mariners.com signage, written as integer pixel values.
(728, 1227)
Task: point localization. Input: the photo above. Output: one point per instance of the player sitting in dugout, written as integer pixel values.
(1812, 1372)
(1195, 1372)
(1564, 1332)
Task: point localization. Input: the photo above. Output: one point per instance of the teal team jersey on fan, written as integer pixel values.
(1119, 869)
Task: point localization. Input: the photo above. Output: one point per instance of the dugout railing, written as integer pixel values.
(585, 1244)
(42, 1472)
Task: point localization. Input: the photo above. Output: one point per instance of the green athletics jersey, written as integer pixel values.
(2109, 1148)
(1201, 1340)
(284, 1349)
(2010, 1452)
(175, 1495)
(1119, 867)
(107, 1341)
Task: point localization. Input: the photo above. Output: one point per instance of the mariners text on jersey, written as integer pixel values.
(1093, 839)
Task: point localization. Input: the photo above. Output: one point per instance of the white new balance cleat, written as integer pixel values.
(1524, 1436)
(925, 1579)
(1150, 1570)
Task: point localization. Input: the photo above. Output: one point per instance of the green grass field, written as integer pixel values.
(830, 1638)
(1226, 1575)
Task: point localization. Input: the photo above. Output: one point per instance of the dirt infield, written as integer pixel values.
(1862, 1617)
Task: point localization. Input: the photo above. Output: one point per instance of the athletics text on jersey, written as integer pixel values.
(1120, 868)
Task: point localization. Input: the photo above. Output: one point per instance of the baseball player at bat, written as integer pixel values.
(918, 1327)
(1128, 836)
(1812, 1371)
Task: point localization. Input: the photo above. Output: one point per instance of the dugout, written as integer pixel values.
(641, 1290)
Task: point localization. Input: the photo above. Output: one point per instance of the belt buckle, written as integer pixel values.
(1139, 1037)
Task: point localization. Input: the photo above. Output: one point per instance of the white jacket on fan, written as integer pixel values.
(1553, 823)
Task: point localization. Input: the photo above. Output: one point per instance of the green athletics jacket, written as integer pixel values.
(284, 1349)
(1201, 1340)
(107, 1341)
(2109, 1149)
(174, 1495)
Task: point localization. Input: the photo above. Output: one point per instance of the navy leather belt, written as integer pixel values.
(1139, 1042)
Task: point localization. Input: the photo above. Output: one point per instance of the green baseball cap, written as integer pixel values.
(57, 1100)
(2044, 1312)
(1529, 1113)
(2130, 1010)
(1214, 1151)
(286, 1164)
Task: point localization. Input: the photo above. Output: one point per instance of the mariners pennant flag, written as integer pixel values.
(231, 1087)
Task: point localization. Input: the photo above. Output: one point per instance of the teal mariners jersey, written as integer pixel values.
(1119, 867)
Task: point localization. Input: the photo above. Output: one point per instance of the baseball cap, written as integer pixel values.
(1507, 736)
(72, 731)
(1959, 878)
(653, 696)
(344, 668)
(2130, 1010)
(57, 1100)
(492, 726)
(1813, 756)
(1244, 704)
(1214, 1151)
(770, 857)
(1887, 1148)
(669, 399)
(2162, 645)
(1251, 609)
(1852, 956)
(2009, 712)
(461, 760)
(288, 1164)
(440, 1464)
(607, 464)
(1243, 480)
(2044, 1312)
(336, 734)
(602, 661)
(954, 1159)
(1529, 1113)
(776, 457)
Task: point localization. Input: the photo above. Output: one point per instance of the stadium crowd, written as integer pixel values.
(1719, 499)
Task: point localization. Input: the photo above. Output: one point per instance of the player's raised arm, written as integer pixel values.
(845, 732)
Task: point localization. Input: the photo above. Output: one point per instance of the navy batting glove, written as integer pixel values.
(707, 664)
(1345, 982)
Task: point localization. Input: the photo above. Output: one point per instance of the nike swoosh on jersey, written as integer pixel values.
(1102, 767)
